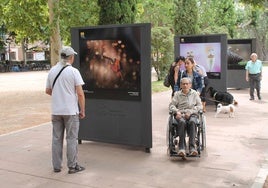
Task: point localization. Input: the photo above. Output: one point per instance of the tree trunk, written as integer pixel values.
(23, 52)
(55, 39)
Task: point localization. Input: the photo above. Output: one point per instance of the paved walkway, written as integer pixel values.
(236, 154)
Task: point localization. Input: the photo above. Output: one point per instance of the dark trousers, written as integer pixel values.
(254, 83)
(189, 126)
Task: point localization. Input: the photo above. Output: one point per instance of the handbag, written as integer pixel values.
(166, 81)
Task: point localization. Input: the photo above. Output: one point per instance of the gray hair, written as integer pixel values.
(253, 54)
(65, 59)
(187, 79)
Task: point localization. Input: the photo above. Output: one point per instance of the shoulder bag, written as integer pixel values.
(58, 75)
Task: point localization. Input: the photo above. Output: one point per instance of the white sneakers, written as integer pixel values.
(181, 153)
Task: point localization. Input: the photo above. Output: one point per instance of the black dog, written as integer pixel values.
(224, 98)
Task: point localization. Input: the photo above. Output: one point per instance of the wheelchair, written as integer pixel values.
(200, 137)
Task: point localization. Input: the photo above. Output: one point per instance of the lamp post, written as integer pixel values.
(8, 40)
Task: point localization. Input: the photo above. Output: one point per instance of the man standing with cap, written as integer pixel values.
(64, 84)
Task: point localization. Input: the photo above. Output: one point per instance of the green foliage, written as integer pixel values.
(158, 13)
(239, 19)
(257, 3)
(29, 18)
(26, 18)
(3, 32)
(226, 12)
(186, 17)
(162, 50)
(117, 11)
(77, 14)
(253, 23)
(217, 17)
(157, 86)
(2, 45)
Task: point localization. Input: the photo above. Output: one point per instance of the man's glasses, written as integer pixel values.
(184, 83)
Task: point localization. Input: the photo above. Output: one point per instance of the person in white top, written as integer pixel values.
(64, 84)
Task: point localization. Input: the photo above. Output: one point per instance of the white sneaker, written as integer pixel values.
(193, 152)
(181, 153)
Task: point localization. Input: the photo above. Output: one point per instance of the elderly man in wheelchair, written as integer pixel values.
(186, 110)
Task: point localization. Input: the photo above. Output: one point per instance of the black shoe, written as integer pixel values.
(57, 170)
(251, 99)
(259, 97)
(77, 168)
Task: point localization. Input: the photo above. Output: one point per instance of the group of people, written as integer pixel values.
(194, 71)
(189, 95)
(64, 84)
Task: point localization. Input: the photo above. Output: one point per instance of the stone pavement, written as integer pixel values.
(236, 154)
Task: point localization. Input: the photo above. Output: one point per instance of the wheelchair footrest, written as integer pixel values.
(173, 154)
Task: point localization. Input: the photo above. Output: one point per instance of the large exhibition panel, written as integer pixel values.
(114, 61)
(210, 51)
(238, 53)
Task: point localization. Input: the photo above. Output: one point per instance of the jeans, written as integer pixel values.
(60, 123)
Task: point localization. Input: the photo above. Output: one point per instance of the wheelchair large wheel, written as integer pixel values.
(203, 132)
(198, 140)
(169, 122)
(170, 136)
(171, 146)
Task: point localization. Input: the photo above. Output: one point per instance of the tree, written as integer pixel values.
(225, 16)
(29, 19)
(159, 14)
(2, 38)
(55, 38)
(186, 17)
(259, 3)
(3, 29)
(162, 50)
(217, 17)
(117, 11)
(64, 15)
(262, 35)
(252, 23)
(77, 14)
(26, 19)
